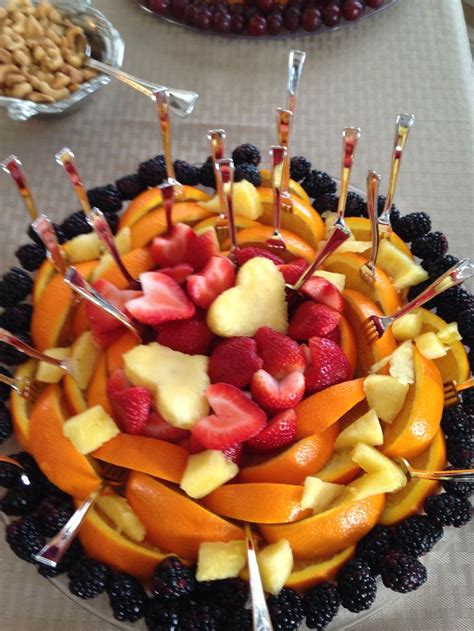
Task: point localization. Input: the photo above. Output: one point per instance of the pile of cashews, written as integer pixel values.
(41, 52)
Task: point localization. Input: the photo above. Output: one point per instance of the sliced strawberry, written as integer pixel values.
(117, 382)
(103, 339)
(335, 336)
(194, 446)
(328, 365)
(242, 255)
(321, 290)
(279, 432)
(157, 427)
(234, 453)
(273, 395)
(164, 300)
(234, 361)
(192, 336)
(312, 319)
(292, 271)
(178, 273)
(216, 277)
(236, 418)
(131, 409)
(281, 355)
(172, 249)
(201, 249)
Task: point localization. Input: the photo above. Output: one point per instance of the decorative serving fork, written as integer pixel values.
(296, 60)
(224, 172)
(217, 142)
(375, 326)
(26, 387)
(12, 166)
(350, 138)
(283, 135)
(452, 389)
(454, 475)
(44, 228)
(162, 102)
(260, 613)
(279, 155)
(368, 269)
(66, 159)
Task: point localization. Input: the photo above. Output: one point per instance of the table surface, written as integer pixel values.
(413, 57)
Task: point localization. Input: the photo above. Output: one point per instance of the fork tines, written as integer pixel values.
(451, 396)
(373, 328)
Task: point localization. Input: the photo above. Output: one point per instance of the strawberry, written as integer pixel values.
(312, 319)
(164, 300)
(234, 361)
(201, 248)
(274, 395)
(322, 291)
(172, 248)
(117, 382)
(157, 427)
(327, 365)
(103, 339)
(292, 271)
(192, 336)
(236, 418)
(281, 355)
(335, 336)
(178, 273)
(216, 277)
(242, 255)
(194, 446)
(233, 452)
(131, 408)
(279, 432)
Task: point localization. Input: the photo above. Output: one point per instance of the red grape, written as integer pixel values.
(265, 5)
(374, 4)
(257, 26)
(275, 23)
(311, 19)
(190, 14)
(291, 17)
(221, 22)
(159, 6)
(177, 8)
(238, 23)
(331, 14)
(352, 9)
(204, 19)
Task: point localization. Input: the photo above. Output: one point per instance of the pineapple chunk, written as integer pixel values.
(430, 346)
(449, 334)
(179, 381)
(408, 326)
(47, 373)
(372, 460)
(220, 560)
(123, 242)
(339, 280)
(386, 395)
(369, 484)
(245, 197)
(90, 430)
(403, 271)
(119, 511)
(318, 495)
(366, 429)
(205, 472)
(401, 363)
(258, 299)
(84, 247)
(84, 355)
(275, 563)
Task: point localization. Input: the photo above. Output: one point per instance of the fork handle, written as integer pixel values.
(260, 613)
(459, 475)
(373, 181)
(296, 61)
(455, 276)
(12, 340)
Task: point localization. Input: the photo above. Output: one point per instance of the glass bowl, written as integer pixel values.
(107, 46)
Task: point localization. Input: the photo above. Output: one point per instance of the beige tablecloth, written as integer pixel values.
(414, 57)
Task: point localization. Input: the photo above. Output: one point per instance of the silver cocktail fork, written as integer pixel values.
(368, 269)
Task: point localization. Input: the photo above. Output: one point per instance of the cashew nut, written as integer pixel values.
(39, 97)
(53, 60)
(5, 56)
(33, 28)
(5, 70)
(21, 57)
(61, 80)
(21, 90)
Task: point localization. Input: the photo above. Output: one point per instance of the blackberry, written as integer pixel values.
(162, 617)
(467, 397)
(15, 286)
(463, 489)
(286, 610)
(452, 301)
(186, 173)
(357, 586)
(403, 573)
(127, 597)
(320, 605)
(10, 356)
(57, 228)
(395, 216)
(76, 224)
(326, 202)
(70, 557)
(30, 256)
(206, 175)
(373, 547)
(416, 535)
(430, 246)
(437, 267)
(105, 198)
(113, 220)
(25, 538)
(201, 618)
(5, 389)
(299, 168)
(355, 205)
(318, 183)
(416, 290)
(6, 427)
(246, 153)
(460, 450)
(239, 620)
(466, 322)
(394, 212)
(152, 172)
(34, 473)
(17, 318)
(130, 186)
(229, 593)
(413, 225)
(53, 515)
(448, 510)
(456, 419)
(9, 475)
(88, 578)
(21, 499)
(248, 172)
(171, 579)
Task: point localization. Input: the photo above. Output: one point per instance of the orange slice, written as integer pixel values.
(80, 321)
(148, 455)
(55, 454)
(73, 395)
(305, 575)
(382, 292)
(324, 408)
(136, 261)
(348, 343)
(341, 469)
(97, 390)
(240, 222)
(173, 522)
(409, 500)
(20, 409)
(328, 532)
(115, 352)
(262, 502)
(42, 279)
(150, 199)
(419, 419)
(295, 245)
(303, 458)
(358, 308)
(293, 186)
(360, 228)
